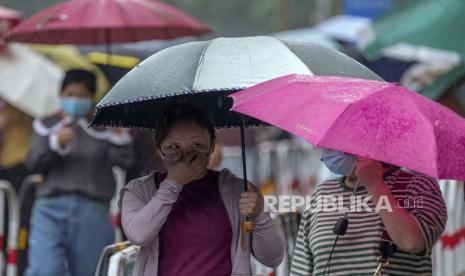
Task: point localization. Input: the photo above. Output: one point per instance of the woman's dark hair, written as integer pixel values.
(181, 114)
(80, 76)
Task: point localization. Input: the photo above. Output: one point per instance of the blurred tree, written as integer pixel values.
(226, 17)
(248, 17)
(27, 7)
(232, 17)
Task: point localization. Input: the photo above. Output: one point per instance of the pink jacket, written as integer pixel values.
(145, 209)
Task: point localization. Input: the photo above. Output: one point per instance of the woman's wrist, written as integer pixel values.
(174, 183)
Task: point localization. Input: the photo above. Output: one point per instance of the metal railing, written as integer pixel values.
(13, 226)
(450, 261)
(104, 260)
(26, 197)
(122, 262)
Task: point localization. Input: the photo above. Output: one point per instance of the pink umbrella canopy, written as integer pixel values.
(8, 19)
(105, 22)
(377, 120)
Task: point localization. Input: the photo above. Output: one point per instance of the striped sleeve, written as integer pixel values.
(302, 260)
(429, 209)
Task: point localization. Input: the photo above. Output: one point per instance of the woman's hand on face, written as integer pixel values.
(187, 169)
(250, 203)
(369, 172)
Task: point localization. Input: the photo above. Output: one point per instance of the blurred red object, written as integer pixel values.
(453, 240)
(106, 22)
(8, 19)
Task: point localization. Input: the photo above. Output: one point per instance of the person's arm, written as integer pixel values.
(267, 242)
(142, 222)
(410, 231)
(429, 209)
(302, 260)
(401, 226)
(44, 152)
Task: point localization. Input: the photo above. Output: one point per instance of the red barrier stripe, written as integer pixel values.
(2, 242)
(116, 220)
(453, 240)
(12, 257)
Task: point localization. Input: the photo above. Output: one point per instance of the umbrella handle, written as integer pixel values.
(247, 227)
(244, 159)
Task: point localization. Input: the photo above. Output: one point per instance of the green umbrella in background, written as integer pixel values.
(427, 31)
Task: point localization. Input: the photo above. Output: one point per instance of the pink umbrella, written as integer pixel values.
(377, 120)
(8, 19)
(105, 22)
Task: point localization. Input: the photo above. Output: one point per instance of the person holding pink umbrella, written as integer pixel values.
(377, 219)
(406, 215)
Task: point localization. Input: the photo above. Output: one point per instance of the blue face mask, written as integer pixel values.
(339, 162)
(76, 107)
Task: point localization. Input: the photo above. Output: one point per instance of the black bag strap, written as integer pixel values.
(386, 246)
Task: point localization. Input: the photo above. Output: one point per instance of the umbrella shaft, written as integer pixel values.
(244, 159)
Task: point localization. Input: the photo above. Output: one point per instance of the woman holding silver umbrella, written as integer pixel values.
(204, 74)
(188, 219)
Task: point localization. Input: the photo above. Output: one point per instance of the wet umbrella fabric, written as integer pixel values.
(205, 73)
(377, 120)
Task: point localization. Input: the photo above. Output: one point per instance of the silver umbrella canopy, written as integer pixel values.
(205, 73)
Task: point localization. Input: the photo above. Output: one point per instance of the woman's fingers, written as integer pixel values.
(248, 203)
(249, 195)
(248, 200)
(246, 211)
(194, 169)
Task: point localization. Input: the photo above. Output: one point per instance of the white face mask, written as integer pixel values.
(339, 162)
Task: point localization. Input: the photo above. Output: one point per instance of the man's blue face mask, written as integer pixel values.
(339, 162)
(76, 107)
